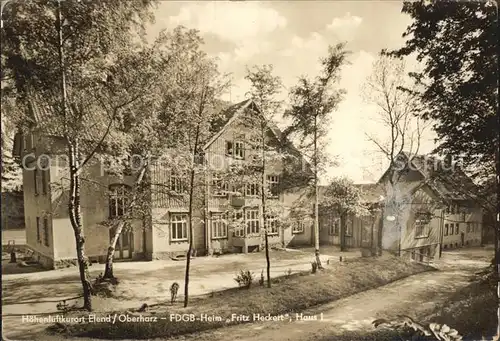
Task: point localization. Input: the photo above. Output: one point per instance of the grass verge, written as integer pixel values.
(472, 311)
(288, 295)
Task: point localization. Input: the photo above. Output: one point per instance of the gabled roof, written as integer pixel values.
(449, 183)
(228, 116)
(43, 116)
(231, 113)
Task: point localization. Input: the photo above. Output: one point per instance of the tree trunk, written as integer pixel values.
(343, 227)
(372, 234)
(268, 260)
(188, 260)
(190, 215)
(108, 270)
(263, 202)
(76, 223)
(496, 220)
(316, 195)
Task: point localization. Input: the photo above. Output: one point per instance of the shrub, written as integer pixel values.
(244, 279)
(261, 280)
(288, 273)
(406, 326)
(314, 267)
(104, 287)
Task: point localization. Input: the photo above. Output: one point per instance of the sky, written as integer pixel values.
(292, 36)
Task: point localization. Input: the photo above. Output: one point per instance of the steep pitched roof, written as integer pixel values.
(44, 116)
(231, 113)
(227, 116)
(449, 182)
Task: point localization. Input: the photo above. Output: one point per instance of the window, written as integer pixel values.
(256, 143)
(219, 187)
(446, 229)
(229, 148)
(469, 228)
(176, 184)
(298, 227)
(239, 150)
(453, 209)
(36, 182)
(348, 227)
(334, 226)
(273, 185)
(118, 200)
(178, 227)
(125, 239)
(46, 231)
(28, 143)
(235, 149)
(456, 228)
(422, 220)
(252, 190)
(219, 226)
(252, 221)
(239, 230)
(272, 225)
(38, 231)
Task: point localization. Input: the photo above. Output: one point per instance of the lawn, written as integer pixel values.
(288, 295)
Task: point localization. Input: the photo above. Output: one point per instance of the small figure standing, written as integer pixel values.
(173, 292)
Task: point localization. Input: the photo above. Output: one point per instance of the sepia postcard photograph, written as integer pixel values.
(250, 170)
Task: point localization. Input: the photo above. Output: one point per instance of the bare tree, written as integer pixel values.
(397, 109)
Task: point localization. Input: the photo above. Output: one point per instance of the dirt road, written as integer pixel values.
(414, 296)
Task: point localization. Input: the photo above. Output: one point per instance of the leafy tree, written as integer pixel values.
(264, 89)
(156, 123)
(58, 55)
(342, 197)
(11, 172)
(457, 42)
(312, 102)
(199, 112)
